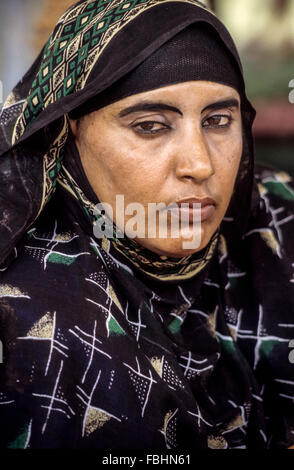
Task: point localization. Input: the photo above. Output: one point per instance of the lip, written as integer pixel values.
(204, 201)
(207, 208)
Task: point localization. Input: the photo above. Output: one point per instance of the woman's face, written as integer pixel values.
(179, 143)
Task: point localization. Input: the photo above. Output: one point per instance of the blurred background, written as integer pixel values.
(262, 29)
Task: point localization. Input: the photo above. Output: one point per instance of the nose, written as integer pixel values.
(193, 159)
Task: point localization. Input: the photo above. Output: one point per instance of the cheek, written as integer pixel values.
(229, 164)
(226, 160)
(122, 167)
(143, 176)
(228, 152)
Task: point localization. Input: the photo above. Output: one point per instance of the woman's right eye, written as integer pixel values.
(150, 127)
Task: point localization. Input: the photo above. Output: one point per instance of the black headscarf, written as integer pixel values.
(79, 62)
(195, 53)
(105, 345)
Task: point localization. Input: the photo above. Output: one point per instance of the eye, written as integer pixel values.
(150, 127)
(218, 121)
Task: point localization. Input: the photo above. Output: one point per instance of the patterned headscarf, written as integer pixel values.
(92, 46)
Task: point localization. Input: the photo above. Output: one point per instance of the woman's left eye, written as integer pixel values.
(149, 127)
(217, 121)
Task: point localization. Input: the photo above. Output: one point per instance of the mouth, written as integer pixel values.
(195, 209)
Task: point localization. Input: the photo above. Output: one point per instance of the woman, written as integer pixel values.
(114, 338)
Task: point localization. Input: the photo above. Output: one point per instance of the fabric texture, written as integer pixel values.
(193, 54)
(100, 350)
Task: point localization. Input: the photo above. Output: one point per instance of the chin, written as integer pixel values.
(173, 248)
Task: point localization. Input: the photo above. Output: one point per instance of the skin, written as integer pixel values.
(162, 155)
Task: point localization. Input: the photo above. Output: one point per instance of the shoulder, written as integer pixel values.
(273, 219)
(274, 183)
(55, 247)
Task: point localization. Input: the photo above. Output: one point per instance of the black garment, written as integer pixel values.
(100, 350)
(195, 53)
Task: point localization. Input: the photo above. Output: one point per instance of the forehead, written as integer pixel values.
(183, 94)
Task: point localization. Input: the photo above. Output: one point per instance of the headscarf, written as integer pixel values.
(195, 53)
(97, 352)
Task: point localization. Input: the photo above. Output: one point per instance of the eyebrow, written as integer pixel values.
(152, 106)
(148, 106)
(231, 103)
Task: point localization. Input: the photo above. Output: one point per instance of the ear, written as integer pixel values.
(74, 126)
